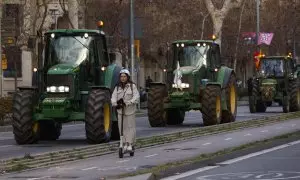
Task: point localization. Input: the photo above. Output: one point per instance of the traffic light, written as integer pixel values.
(137, 47)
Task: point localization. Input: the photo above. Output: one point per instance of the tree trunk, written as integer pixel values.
(218, 24)
(238, 36)
(203, 25)
(73, 13)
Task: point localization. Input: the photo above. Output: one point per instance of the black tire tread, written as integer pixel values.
(22, 113)
(209, 107)
(293, 89)
(94, 117)
(156, 96)
(228, 116)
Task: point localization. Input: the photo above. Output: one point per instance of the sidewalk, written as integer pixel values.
(111, 165)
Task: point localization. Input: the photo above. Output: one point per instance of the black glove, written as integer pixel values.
(119, 106)
(120, 102)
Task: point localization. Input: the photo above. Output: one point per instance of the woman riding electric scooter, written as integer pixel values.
(125, 98)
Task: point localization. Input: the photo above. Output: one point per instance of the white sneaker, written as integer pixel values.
(125, 147)
(129, 148)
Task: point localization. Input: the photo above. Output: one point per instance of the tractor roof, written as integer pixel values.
(75, 31)
(276, 57)
(194, 41)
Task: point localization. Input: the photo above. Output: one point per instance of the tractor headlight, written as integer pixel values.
(59, 89)
(182, 85)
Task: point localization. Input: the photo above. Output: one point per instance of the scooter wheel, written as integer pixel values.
(120, 153)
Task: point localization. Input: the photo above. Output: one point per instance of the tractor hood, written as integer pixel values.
(185, 70)
(269, 82)
(62, 69)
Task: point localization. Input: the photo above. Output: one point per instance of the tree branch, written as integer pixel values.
(44, 15)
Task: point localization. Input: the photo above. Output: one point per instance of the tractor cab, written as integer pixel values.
(276, 66)
(193, 58)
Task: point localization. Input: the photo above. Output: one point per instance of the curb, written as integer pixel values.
(148, 176)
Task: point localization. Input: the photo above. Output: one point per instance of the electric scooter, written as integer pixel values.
(123, 151)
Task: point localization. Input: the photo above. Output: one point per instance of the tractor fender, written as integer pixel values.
(111, 77)
(224, 74)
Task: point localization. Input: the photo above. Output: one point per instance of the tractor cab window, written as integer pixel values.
(194, 56)
(68, 50)
(272, 67)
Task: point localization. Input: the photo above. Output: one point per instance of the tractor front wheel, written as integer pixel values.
(50, 130)
(25, 130)
(211, 108)
(174, 116)
(231, 101)
(98, 121)
(156, 96)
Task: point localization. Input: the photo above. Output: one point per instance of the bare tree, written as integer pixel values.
(218, 15)
(238, 36)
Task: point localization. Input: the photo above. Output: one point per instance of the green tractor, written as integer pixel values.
(196, 80)
(73, 82)
(276, 80)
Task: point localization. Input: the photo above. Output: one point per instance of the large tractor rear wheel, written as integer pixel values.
(174, 116)
(286, 104)
(256, 105)
(156, 96)
(50, 130)
(294, 96)
(231, 101)
(26, 131)
(211, 106)
(98, 121)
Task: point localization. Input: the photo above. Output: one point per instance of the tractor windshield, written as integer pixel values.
(194, 56)
(272, 67)
(68, 49)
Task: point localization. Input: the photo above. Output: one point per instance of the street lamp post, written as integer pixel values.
(257, 23)
(132, 39)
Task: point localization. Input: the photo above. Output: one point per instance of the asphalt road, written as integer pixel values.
(282, 162)
(108, 165)
(73, 136)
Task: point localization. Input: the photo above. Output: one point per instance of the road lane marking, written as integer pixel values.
(264, 131)
(205, 144)
(4, 146)
(227, 139)
(190, 173)
(123, 161)
(248, 134)
(151, 155)
(89, 168)
(259, 153)
(44, 177)
(196, 171)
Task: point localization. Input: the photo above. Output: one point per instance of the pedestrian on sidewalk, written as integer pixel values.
(126, 95)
